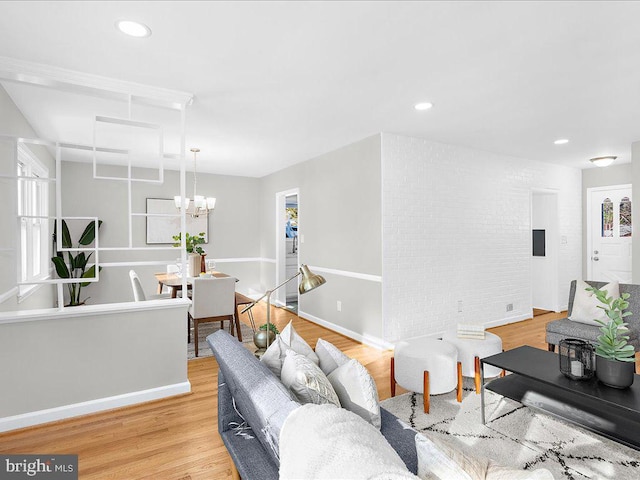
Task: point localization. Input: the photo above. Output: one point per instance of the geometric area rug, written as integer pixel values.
(517, 436)
(206, 329)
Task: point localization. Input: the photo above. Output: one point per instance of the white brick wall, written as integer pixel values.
(457, 226)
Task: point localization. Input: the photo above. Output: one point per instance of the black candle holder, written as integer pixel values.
(577, 359)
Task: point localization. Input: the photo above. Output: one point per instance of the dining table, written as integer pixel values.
(173, 281)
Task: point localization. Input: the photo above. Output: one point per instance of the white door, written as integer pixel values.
(610, 228)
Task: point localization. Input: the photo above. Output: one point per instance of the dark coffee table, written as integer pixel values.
(536, 381)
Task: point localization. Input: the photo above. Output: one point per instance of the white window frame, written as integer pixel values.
(33, 210)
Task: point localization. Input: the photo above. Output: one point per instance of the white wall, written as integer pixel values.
(12, 122)
(340, 220)
(457, 227)
(544, 270)
(55, 364)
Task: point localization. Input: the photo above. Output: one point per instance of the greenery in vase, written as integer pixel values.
(75, 266)
(193, 242)
(613, 343)
(272, 327)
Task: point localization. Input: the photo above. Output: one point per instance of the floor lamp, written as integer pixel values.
(309, 281)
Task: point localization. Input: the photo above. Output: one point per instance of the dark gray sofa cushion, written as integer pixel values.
(565, 328)
(259, 396)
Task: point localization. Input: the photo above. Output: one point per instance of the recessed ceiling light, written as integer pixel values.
(561, 141)
(423, 106)
(133, 29)
(603, 161)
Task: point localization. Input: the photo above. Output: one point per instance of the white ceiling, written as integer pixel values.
(277, 83)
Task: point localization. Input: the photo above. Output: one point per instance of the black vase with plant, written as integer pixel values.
(615, 357)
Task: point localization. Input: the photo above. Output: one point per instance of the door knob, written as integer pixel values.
(595, 259)
(595, 252)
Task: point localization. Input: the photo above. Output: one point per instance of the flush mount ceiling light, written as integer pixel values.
(423, 106)
(133, 29)
(561, 141)
(603, 161)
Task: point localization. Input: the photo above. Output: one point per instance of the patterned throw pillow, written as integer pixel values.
(331, 357)
(356, 391)
(305, 379)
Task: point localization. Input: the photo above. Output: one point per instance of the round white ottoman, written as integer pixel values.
(425, 365)
(470, 348)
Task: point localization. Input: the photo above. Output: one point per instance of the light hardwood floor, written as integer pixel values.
(177, 438)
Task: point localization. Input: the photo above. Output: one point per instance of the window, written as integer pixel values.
(33, 210)
(607, 218)
(625, 217)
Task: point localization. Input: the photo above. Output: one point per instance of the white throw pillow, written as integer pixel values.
(321, 442)
(330, 356)
(274, 356)
(297, 343)
(439, 461)
(585, 304)
(305, 379)
(357, 391)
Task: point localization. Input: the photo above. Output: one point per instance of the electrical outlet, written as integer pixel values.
(459, 306)
(509, 307)
(339, 306)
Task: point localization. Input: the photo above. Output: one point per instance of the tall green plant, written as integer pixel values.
(75, 266)
(613, 343)
(193, 242)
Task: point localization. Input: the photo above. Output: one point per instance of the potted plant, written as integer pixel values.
(615, 357)
(195, 251)
(75, 266)
(260, 336)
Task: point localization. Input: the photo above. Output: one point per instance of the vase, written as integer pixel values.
(614, 373)
(193, 265)
(260, 338)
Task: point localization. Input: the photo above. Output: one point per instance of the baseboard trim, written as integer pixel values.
(508, 320)
(92, 406)
(369, 340)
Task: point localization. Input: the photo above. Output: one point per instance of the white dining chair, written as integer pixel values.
(138, 291)
(213, 299)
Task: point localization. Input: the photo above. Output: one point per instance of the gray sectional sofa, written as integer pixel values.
(565, 328)
(253, 404)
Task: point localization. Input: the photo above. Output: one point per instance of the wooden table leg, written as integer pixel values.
(477, 373)
(425, 385)
(159, 288)
(459, 387)
(392, 377)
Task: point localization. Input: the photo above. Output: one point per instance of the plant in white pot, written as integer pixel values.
(195, 251)
(615, 357)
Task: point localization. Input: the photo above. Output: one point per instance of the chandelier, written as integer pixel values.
(201, 205)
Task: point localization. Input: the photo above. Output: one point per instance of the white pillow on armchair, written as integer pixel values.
(585, 304)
